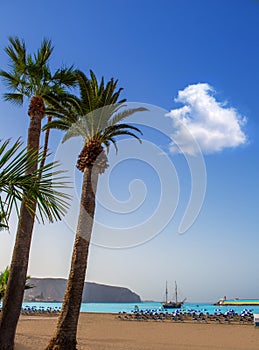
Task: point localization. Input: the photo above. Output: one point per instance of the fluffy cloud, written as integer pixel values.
(212, 124)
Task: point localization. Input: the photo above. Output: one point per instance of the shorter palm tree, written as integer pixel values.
(99, 129)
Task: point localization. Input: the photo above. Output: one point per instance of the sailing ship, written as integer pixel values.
(172, 304)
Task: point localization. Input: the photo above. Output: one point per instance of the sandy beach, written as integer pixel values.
(106, 332)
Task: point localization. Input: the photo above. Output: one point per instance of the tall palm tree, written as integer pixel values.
(99, 128)
(29, 76)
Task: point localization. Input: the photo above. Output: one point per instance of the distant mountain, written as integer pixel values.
(53, 289)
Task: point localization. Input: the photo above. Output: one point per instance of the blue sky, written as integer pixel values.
(202, 53)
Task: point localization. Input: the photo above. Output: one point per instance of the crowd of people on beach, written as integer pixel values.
(37, 311)
(230, 316)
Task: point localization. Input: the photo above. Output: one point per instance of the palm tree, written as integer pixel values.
(99, 128)
(30, 77)
(3, 282)
(16, 184)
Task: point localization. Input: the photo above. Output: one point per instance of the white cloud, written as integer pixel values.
(213, 125)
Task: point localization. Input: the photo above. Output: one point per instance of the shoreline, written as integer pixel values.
(105, 331)
(35, 308)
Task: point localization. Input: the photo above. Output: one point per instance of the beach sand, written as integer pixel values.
(106, 332)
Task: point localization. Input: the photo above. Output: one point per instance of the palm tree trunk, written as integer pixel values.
(15, 287)
(65, 335)
(46, 144)
(13, 298)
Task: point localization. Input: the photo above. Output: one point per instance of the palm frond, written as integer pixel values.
(30, 75)
(124, 132)
(119, 116)
(119, 127)
(65, 76)
(76, 129)
(11, 80)
(42, 185)
(57, 125)
(17, 54)
(107, 144)
(17, 99)
(43, 54)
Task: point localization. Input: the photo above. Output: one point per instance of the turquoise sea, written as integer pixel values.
(128, 307)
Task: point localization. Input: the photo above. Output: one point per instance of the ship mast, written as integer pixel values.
(175, 291)
(166, 292)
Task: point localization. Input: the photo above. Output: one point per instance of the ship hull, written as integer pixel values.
(172, 305)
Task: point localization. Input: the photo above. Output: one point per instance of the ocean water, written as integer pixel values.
(128, 307)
